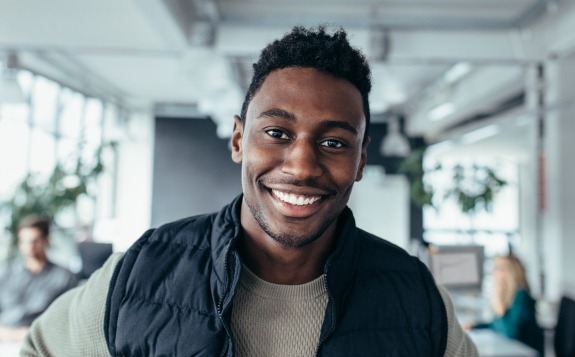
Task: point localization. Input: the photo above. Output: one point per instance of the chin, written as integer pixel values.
(291, 240)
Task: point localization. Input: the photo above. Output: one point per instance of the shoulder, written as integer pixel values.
(385, 264)
(54, 268)
(196, 232)
(186, 231)
(523, 297)
(73, 324)
(378, 252)
(59, 277)
(195, 224)
(187, 241)
(203, 224)
(56, 271)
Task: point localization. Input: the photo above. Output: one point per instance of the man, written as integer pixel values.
(282, 270)
(30, 284)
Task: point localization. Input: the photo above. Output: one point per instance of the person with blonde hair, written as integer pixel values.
(512, 304)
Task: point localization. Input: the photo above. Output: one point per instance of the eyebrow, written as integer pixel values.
(341, 125)
(328, 124)
(277, 113)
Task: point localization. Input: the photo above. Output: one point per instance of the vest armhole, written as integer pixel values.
(444, 330)
(436, 299)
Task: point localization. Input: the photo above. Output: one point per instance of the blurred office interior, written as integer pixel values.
(147, 90)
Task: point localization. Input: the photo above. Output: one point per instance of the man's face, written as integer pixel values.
(301, 149)
(32, 243)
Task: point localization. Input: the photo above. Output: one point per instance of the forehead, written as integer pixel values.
(307, 92)
(30, 233)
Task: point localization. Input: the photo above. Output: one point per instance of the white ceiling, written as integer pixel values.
(196, 54)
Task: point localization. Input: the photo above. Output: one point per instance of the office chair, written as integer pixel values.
(564, 340)
(93, 255)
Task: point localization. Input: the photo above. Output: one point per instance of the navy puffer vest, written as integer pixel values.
(172, 293)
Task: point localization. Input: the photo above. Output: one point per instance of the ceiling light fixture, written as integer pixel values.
(458, 71)
(441, 111)
(394, 143)
(480, 134)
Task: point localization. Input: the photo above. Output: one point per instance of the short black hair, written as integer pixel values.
(314, 48)
(42, 223)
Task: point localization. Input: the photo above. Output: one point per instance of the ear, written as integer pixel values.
(236, 140)
(363, 159)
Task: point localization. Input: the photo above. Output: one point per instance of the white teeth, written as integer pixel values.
(298, 200)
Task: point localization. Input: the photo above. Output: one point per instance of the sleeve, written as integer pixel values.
(481, 325)
(514, 317)
(74, 324)
(458, 342)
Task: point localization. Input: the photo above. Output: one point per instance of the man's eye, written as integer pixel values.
(331, 143)
(278, 134)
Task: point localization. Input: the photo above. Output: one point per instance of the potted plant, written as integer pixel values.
(473, 188)
(60, 191)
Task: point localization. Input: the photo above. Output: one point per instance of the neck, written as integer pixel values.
(278, 264)
(35, 265)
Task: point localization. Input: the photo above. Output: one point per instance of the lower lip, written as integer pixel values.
(295, 211)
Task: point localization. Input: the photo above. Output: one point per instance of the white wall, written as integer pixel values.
(380, 205)
(134, 185)
(560, 218)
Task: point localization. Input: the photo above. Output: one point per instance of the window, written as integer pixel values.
(494, 229)
(56, 127)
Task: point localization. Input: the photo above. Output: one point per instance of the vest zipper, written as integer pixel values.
(221, 303)
(333, 313)
(226, 279)
(226, 349)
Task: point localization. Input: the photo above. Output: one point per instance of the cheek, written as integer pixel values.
(344, 173)
(260, 157)
(254, 166)
(499, 278)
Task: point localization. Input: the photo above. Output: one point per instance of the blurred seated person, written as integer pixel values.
(30, 283)
(513, 305)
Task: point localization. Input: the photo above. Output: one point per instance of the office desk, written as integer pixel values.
(10, 349)
(491, 344)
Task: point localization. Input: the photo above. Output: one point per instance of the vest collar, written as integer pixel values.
(338, 269)
(226, 265)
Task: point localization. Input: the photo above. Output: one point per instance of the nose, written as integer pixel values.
(302, 160)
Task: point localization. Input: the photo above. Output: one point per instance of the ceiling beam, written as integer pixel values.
(169, 19)
(409, 47)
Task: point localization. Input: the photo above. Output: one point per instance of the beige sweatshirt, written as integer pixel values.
(73, 325)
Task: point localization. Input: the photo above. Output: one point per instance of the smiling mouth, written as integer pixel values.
(296, 200)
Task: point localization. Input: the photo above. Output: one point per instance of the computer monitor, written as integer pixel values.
(457, 267)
